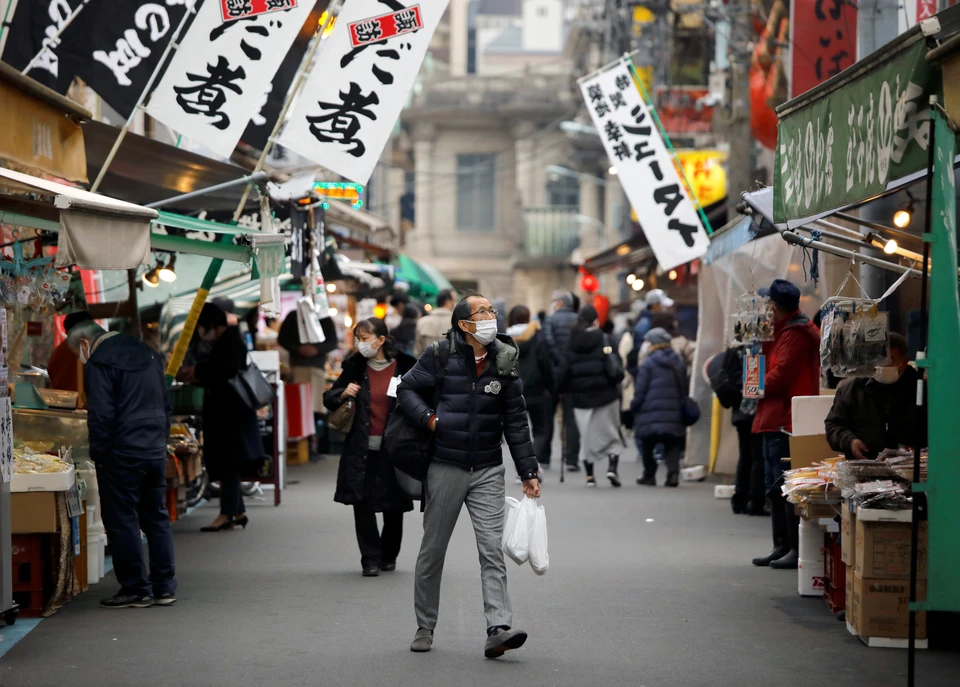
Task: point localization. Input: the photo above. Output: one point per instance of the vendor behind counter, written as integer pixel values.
(872, 414)
(63, 366)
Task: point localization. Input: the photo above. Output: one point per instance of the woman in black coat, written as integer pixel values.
(594, 385)
(365, 478)
(232, 443)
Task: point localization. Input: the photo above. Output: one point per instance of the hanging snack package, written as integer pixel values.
(871, 328)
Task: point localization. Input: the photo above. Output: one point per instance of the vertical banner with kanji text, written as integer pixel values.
(216, 80)
(823, 40)
(360, 83)
(645, 169)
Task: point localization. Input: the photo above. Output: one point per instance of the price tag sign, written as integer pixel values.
(754, 370)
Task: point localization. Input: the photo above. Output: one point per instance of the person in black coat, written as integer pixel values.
(405, 333)
(232, 442)
(660, 389)
(365, 478)
(585, 375)
(128, 422)
(536, 372)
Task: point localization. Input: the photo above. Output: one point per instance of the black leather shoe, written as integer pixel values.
(371, 571)
(673, 480)
(775, 555)
(573, 467)
(647, 481)
(388, 567)
(791, 561)
(122, 600)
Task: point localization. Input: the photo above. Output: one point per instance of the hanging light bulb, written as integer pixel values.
(347, 321)
(890, 247)
(151, 278)
(612, 171)
(167, 272)
(331, 288)
(631, 278)
(332, 312)
(672, 275)
(637, 285)
(901, 218)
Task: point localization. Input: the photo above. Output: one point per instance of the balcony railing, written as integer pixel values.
(551, 231)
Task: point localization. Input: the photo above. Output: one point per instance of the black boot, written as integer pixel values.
(588, 468)
(774, 555)
(789, 561)
(778, 522)
(612, 475)
(792, 522)
(673, 479)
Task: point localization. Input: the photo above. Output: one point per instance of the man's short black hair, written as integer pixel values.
(445, 296)
(75, 318)
(897, 342)
(463, 310)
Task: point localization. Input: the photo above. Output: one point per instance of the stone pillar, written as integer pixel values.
(458, 37)
(422, 239)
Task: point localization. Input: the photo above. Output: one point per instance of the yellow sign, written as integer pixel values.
(704, 170)
(641, 16)
(706, 174)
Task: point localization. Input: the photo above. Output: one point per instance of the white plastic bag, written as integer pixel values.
(539, 558)
(512, 508)
(516, 537)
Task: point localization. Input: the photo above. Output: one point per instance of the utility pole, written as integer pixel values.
(737, 105)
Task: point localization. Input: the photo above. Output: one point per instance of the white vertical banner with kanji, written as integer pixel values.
(644, 167)
(221, 72)
(347, 110)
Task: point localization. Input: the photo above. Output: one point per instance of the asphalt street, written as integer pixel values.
(646, 587)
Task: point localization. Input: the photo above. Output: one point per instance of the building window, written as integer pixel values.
(563, 191)
(476, 193)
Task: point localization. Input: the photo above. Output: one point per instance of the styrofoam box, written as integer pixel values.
(880, 515)
(810, 579)
(696, 473)
(724, 491)
(54, 481)
(809, 413)
(811, 542)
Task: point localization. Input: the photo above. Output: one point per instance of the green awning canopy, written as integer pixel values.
(425, 281)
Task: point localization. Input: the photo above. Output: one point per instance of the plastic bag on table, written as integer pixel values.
(539, 558)
(516, 537)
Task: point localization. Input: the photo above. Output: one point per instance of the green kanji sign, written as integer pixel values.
(847, 146)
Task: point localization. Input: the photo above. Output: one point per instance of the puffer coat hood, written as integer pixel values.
(583, 372)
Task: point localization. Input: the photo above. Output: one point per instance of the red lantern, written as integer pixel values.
(588, 282)
(602, 305)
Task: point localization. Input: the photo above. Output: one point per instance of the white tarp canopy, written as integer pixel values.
(96, 232)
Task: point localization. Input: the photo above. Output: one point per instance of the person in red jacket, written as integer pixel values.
(792, 369)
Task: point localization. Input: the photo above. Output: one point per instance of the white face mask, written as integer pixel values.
(84, 353)
(887, 374)
(367, 349)
(486, 331)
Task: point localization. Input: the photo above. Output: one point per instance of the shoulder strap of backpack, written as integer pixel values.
(441, 349)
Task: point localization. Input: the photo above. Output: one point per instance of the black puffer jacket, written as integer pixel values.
(354, 486)
(473, 414)
(536, 363)
(583, 372)
(558, 328)
(128, 409)
(660, 388)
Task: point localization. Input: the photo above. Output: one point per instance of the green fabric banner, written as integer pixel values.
(849, 144)
(943, 473)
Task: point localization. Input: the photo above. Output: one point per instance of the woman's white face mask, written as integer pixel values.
(368, 349)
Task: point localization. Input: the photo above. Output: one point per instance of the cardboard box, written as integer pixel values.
(34, 513)
(807, 450)
(851, 609)
(882, 607)
(883, 550)
(848, 535)
(192, 467)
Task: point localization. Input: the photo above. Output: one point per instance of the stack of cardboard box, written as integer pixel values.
(876, 550)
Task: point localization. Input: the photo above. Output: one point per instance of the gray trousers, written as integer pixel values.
(448, 488)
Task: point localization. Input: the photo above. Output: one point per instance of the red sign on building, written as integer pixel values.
(386, 26)
(926, 9)
(682, 110)
(823, 36)
(241, 9)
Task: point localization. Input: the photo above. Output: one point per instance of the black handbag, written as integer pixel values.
(251, 387)
(612, 360)
(689, 409)
(410, 446)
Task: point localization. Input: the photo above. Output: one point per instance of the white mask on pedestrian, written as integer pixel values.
(367, 349)
(887, 374)
(486, 331)
(84, 352)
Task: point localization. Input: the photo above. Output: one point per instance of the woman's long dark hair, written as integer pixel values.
(378, 328)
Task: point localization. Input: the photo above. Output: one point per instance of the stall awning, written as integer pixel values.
(627, 254)
(878, 106)
(146, 170)
(342, 214)
(41, 129)
(96, 232)
(183, 234)
(424, 281)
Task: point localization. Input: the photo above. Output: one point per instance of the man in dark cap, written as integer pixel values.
(62, 366)
(792, 369)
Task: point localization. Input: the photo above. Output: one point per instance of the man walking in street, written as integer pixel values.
(478, 401)
(434, 326)
(557, 329)
(793, 369)
(128, 420)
